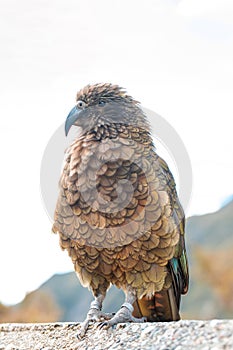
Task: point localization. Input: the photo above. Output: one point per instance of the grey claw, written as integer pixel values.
(81, 335)
(102, 325)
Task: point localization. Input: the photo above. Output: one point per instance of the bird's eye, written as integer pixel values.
(81, 104)
(101, 103)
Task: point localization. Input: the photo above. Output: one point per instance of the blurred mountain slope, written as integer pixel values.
(212, 230)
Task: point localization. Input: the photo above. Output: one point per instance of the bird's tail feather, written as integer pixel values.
(162, 307)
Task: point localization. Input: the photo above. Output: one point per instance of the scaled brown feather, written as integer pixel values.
(118, 214)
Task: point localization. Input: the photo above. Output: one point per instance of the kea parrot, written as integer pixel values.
(117, 213)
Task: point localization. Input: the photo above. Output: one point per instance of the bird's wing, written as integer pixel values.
(178, 264)
(164, 305)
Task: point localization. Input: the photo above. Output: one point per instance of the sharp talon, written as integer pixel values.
(102, 325)
(81, 334)
(84, 327)
(94, 316)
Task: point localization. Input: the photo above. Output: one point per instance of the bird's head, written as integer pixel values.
(103, 104)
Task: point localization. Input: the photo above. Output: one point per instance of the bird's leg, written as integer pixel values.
(94, 314)
(125, 312)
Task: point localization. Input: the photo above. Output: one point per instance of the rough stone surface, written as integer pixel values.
(205, 335)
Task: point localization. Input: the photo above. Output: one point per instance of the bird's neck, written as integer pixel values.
(115, 130)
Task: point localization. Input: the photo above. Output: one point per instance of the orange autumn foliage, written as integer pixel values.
(36, 307)
(216, 268)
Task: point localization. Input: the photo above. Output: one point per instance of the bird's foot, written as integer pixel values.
(122, 316)
(93, 316)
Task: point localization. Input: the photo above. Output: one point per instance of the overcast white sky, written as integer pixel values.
(176, 57)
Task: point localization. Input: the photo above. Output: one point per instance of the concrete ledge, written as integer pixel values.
(214, 334)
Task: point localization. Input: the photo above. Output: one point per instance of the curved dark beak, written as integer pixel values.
(71, 119)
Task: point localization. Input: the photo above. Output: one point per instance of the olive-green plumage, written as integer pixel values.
(118, 214)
